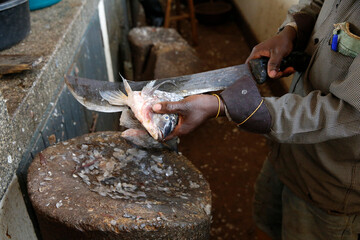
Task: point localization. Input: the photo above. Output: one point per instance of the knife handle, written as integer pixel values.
(298, 60)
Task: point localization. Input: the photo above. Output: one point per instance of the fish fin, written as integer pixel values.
(149, 89)
(129, 120)
(114, 97)
(126, 86)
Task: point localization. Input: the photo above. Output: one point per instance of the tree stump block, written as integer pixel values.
(160, 53)
(98, 186)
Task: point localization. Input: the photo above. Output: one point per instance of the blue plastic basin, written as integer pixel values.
(38, 4)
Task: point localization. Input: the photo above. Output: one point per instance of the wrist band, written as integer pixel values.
(252, 113)
(219, 101)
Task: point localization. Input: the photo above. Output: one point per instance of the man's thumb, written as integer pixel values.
(274, 66)
(157, 107)
(167, 107)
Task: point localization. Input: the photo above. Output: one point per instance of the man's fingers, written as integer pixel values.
(167, 107)
(172, 134)
(175, 132)
(258, 53)
(288, 71)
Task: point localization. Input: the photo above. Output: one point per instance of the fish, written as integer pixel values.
(159, 126)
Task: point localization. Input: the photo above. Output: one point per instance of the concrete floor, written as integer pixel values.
(229, 158)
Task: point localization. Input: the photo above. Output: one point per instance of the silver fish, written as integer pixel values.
(159, 126)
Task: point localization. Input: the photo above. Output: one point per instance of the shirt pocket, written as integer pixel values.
(344, 41)
(327, 66)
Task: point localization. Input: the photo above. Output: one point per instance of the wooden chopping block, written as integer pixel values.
(98, 186)
(162, 53)
(17, 63)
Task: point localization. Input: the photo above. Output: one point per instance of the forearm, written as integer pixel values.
(304, 15)
(291, 118)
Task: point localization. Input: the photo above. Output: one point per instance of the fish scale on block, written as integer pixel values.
(98, 186)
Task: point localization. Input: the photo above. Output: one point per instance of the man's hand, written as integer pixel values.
(276, 48)
(193, 111)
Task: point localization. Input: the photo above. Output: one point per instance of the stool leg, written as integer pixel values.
(167, 14)
(178, 13)
(193, 22)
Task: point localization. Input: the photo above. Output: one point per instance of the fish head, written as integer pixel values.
(163, 125)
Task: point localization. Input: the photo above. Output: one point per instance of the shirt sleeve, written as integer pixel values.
(317, 117)
(244, 105)
(304, 14)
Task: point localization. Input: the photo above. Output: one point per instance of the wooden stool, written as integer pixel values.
(190, 15)
(98, 186)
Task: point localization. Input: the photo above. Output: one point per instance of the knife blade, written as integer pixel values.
(86, 91)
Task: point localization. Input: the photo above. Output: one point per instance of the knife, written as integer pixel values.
(86, 91)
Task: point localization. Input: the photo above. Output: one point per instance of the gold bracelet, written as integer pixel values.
(252, 113)
(219, 101)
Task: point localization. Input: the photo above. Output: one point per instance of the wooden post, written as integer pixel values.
(193, 22)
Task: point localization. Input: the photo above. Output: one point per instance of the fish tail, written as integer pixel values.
(114, 97)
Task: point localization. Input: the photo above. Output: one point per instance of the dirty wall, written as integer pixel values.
(263, 16)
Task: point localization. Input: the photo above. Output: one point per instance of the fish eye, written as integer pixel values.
(166, 117)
